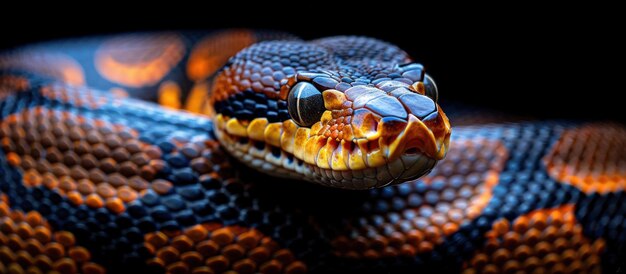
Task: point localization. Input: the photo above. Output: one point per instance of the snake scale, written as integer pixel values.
(97, 178)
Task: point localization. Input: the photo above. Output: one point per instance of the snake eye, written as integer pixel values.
(431, 88)
(305, 104)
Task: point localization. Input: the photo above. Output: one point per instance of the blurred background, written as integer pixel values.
(540, 62)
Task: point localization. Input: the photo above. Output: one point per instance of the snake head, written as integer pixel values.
(337, 126)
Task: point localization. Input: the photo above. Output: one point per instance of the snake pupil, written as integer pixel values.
(305, 104)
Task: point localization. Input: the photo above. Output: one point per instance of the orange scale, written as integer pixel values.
(218, 263)
(371, 254)
(222, 236)
(127, 194)
(450, 228)
(407, 250)
(32, 178)
(233, 252)
(202, 270)
(196, 233)
(115, 205)
(67, 184)
(168, 254)
(511, 239)
(296, 268)
(259, 254)
(414, 237)
(156, 239)
(4, 210)
(92, 268)
(543, 248)
(245, 266)
(177, 267)
(575, 267)
(396, 239)
(24, 230)
(192, 258)
(558, 268)
(12, 158)
(182, 243)
(208, 248)
(14, 268)
(425, 247)
(138, 183)
(285, 256)
(522, 252)
(249, 239)
(272, 266)
(492, 244)
(389, 252)
(94, 201)
(33, 247)
(360, 243)
(156, 263)
(24, 258)
(79, 254)
(378, 242)
(65, 238)
(433, 234)
(75, 197)
(511, 267)
(15, 242)
(531, 236)
(550, 233)
(490, 269)
(161, 186)
(599, 246)
(54, 250)
(17, 216)
(105, 190)
(6, 254)
(42, 234)
(65, 265)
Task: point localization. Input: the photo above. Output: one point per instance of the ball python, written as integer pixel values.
(242, 151)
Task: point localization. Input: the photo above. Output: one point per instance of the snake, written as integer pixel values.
(244, 151)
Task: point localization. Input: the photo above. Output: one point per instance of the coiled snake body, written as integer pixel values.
(93, 181)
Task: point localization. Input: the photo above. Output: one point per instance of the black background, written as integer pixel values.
(547, 63)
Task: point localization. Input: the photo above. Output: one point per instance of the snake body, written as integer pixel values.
(94, 179)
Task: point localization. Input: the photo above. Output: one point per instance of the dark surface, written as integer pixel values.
(532, 62)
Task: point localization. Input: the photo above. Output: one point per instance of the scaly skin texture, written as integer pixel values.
(94, 181)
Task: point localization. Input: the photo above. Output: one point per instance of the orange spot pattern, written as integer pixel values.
(28, 245)
(212, 248)
(543, 241)
(139, 60)
(591, 158)
(476, 164)
(89, 161)
(59, 66)
(12, 83)
(212, 52)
